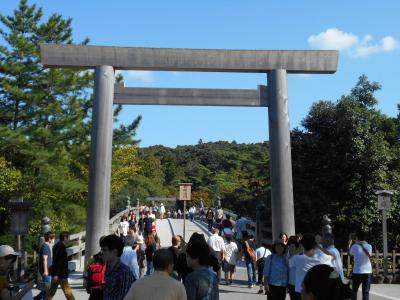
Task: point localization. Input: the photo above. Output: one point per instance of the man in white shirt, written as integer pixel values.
(162, 211)
(302, 263)
(219, 214)
(217, 244)
(192, 211)
(362, 269)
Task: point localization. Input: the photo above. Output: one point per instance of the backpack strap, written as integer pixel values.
(365, 250)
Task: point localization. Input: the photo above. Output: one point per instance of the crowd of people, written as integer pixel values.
(132, 264)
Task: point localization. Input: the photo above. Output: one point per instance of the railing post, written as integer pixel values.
(80, 251)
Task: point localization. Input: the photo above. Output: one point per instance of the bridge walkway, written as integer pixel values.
(238, 290)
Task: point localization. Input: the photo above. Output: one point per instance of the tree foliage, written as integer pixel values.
(45, 121)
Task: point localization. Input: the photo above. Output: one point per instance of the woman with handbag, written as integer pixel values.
(249, 250)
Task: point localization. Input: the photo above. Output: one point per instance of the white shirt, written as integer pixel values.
(129, 258)
(220, 213)
(231, 253)
(362, 263)
(124, 227)
(302, 263)
(324, 258)
(162, 209)
(337, 263)
(216, 242)
(262, 252)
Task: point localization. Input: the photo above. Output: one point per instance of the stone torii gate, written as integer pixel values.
(276, 63)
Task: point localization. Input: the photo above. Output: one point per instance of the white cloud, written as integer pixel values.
(387, 44)
(336, 39)
(333, 39)
(145, 76)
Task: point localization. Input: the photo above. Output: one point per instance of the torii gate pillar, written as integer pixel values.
(280, 155)
(98, 210)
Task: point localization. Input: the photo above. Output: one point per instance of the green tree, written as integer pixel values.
(340, 159)
(45, 116)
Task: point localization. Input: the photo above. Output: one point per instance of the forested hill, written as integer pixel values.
(238, 173)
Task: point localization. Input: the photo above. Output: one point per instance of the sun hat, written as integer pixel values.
(6, 250)
(139, 239)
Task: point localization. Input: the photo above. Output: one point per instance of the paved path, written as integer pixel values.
(238, 290)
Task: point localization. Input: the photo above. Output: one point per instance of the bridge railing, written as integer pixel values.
(77, 250)
(78, 239)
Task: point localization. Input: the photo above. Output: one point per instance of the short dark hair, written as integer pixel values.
(308, 241)
(199, 250)
(113, 242)
(64, 236)
(361, 235)
(273, 248)
(49, 235)
(325, 283)
(197, 237)
(162, 258)
(228, 238)
(175, 240)
(293, 241)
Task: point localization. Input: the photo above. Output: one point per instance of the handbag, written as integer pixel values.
(250, 251)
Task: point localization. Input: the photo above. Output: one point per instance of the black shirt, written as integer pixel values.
(60, 261)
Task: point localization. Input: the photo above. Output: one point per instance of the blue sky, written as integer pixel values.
(367, 33)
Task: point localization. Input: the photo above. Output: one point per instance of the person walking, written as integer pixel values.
(217, 244)
(118, 277)
(141, 223)
(162, 211)
(129, 257)
(95, 277)
(219, 214)
(294, 248)
(123, 227)
(261, 254)
(362, 269)
(202, 283)
(240, 228)
(302, 263)
(151, 247)
(231, 256)
(141, 255)
(210, 218)
(249, 249)
(158, 285)
(45, 262)
(192, 211)
(59, 269)
(328, 242)
(175, 251)
(276, 272)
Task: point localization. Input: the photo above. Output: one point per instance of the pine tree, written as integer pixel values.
(45, 114)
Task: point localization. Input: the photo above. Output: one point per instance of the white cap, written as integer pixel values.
(6, 250)
(139, 240)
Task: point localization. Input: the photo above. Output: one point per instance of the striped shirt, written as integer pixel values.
(118, 279)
